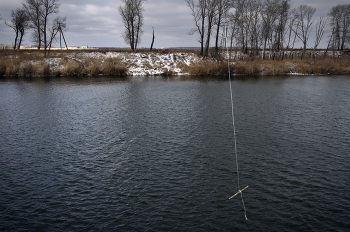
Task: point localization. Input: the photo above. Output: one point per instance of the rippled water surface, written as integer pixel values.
(155, 154)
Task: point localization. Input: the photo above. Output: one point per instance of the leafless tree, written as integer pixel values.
(283, 14)
(34, 10)
(304, 21)
(292, 28)
(242, 12)
(223, 6)
(232, 28)
(153, 37)
(50, 7)
(269, 15)
(39, 12)
(211, 13)
(320, 25)
(19, 23)
(131, 12)
(199, 13)
(340, 23)
(255, 24)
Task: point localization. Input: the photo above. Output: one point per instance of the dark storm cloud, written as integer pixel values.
(98, 23)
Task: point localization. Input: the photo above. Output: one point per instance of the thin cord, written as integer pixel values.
(233, 122)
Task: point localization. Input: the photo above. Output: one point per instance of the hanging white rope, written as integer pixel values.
(233, 123)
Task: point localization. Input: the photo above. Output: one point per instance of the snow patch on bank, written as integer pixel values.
(141, 64)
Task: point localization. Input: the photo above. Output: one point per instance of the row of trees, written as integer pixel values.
(34, 15)
(266, 24)
(250, 24)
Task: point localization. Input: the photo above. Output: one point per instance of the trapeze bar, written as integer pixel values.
(240, 191)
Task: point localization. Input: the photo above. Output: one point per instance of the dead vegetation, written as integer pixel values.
(32, 63)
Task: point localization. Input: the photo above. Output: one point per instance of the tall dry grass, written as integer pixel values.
(207, 67)
(33, 63)
(114, 67)
(93, 66)
(73, 69)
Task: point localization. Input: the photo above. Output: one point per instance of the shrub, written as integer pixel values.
(113, 67)
(26, 69)
(41, 69)
(73, 69)
(11, 68)
(304, 69)
(205, 67)
(247, 68)
(94, 70)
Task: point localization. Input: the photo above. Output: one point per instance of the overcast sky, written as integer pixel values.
(98, 23)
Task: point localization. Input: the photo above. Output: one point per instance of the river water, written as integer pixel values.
(157, 154)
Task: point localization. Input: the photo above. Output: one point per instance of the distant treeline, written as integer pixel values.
(271, 25)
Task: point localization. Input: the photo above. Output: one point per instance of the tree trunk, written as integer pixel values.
(39, 33)
(152, 40)
(217, 35)
(20, 38)
(202, 36)
(15, 44)
(207, 44)
(132, 39)
(45, 42)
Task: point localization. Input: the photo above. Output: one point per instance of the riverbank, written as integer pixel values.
(29, 63)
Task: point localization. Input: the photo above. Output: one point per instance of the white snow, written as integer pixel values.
(138, 64)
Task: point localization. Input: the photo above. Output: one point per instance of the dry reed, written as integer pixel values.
(114, 67)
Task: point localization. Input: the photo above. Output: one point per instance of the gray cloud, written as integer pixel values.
(98, 23)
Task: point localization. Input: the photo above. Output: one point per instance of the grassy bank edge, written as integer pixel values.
(58, 63)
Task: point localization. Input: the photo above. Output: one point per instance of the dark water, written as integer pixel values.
(147, 154)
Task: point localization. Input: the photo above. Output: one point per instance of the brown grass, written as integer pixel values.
(73, 69)
(93, 66)
(114, 67)
(12, 67)
(26, 69)
(206, 67)
(32, 63)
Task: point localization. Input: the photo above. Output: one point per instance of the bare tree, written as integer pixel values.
(255, 24)
(241, 16)
(131, 12)
(340, 23)
(152, 40)
(319, 31)
(50, 7)
(211, 9)
(304, 20)
(223, 6)
(292, 28)
(199, 13)
(269, 15)
(35, 10)
(39, 12)
(283, 13)
(232, 28)
(19, 23)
